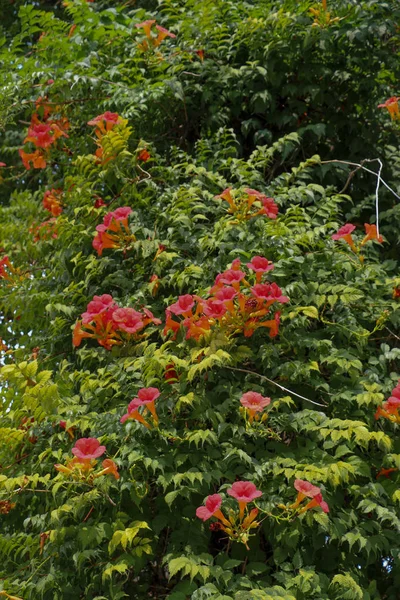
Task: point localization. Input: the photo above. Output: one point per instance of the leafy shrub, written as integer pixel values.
(173, 255)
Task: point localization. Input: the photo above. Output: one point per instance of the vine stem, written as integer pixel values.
(361, 166)
(275, 383)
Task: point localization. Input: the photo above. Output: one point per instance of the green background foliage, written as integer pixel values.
(274, 100)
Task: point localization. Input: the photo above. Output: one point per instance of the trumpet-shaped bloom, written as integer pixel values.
(344, 231)
(4, 262)
(104, 240)
(392, 404)
(134, 414)
(148, 317)
(36, 159)
(110, 234)
(147, 395)
(226, 294)
(270, 208)
(144, 155)
(98, 306)
(214, 309)
(106, 121)
(371, 234)
(272, 324)
(259, 264)
(132, 408)
(120, 215)
(254, 401)
(147, 398)
(306, 489)
(128, 319)
(227, 196)
(183, 305)
(212, 505)
(231, 277)
(392, 105)
(316, 501)
(269, 292)
(163, 33)
(88, 449)
(255, 193)
(52, 201)
(146, 26)
(40, 135)
(390, 409)
(244, 491)
(197, 328)
(110, 468)
(396, 391)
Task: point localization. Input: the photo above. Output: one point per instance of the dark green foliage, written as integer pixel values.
(235, 119)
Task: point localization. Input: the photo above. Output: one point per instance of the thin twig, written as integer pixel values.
(345, 162)
(391, 332)
(190, 73)
(350, 177)
(88, 515)
(143, 171)
(275, 383)
(377, 190)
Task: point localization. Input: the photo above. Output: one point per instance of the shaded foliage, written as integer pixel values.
(248, 96)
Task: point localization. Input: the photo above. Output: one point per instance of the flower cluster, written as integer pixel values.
(239, 522)
(312, 492)
(86, 451)
(322, 18)
(43, 133)
(10, 273)
(144, 155)
(110, 324)
(153, 39)
(103, 124)
(6, 506)
(234, 305)
(390, 409)
(6, 268)
(145, 399)
(248, 204)
(392, 105)
(344, 233)
(114, 231)
(386, 472)
(254, 403)
(44, 231)
(52, 201)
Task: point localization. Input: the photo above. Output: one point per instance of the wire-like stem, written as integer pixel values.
(275, 383)
(361, 166)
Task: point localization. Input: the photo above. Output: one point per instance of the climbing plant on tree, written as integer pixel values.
(199, 311)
